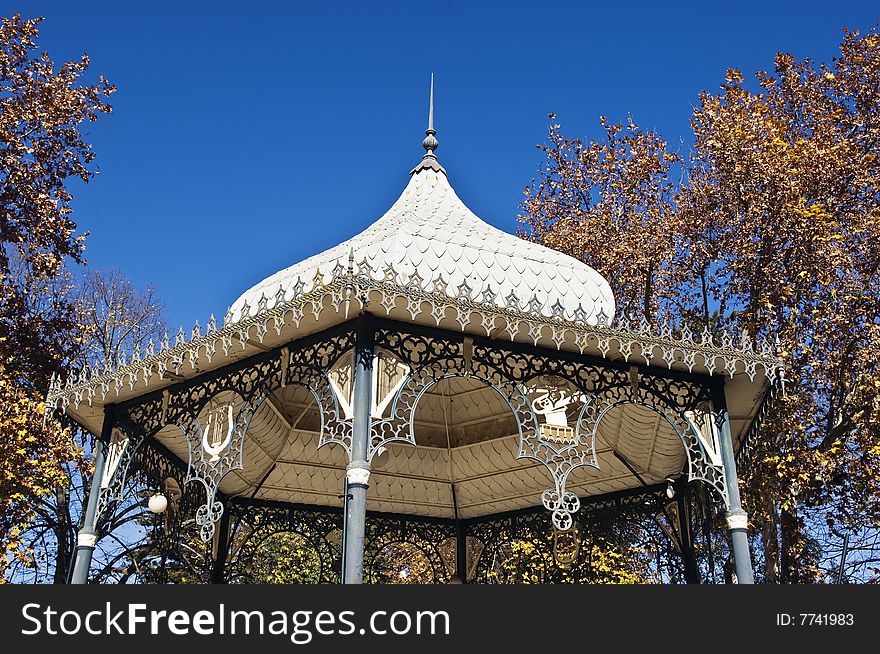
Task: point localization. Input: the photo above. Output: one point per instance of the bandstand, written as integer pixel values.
(432, 375)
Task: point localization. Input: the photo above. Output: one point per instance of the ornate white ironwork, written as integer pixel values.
(569, 392)
(84, 539)
(562, 504)
(115, 449)
(558, 404)
(738, 520)
(217, 430)
(358, 475)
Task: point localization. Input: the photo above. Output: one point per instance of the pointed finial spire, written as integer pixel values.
(429, 161)
(431, 106)
(430, 143)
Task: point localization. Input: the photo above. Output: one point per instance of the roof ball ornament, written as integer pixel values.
(430, 143)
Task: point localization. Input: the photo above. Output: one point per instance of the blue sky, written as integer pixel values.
(248, 136)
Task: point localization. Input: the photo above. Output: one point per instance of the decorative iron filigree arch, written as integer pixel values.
(255, 524)
(426, 537)
(699, 466)
(251, 385)
(511, 372)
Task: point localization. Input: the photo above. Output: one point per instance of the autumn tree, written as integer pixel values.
(531, 558)
(42, 149)
(772, 228)
(113, 317)
(609, 203)
(784, 198)
(285, 558)
(42, 110)
(32, 456)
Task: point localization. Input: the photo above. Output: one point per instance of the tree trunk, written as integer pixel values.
(705, 289)
(649, 294)
(62, 530)
(787, 560)
(770, 541)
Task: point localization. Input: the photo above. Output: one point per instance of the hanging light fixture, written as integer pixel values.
(157, 503)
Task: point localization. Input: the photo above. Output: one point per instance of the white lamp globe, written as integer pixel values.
(158, 503)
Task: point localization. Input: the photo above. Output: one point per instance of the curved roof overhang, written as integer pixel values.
(751, 369)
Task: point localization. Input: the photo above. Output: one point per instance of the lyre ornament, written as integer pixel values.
(218, 431)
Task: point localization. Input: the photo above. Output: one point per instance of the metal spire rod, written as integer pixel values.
(431, 107)
(430, 143)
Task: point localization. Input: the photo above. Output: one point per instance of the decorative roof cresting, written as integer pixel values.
(430, 239)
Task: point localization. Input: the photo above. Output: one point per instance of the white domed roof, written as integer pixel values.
(430, 238)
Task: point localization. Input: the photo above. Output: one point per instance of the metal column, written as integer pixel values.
(686, 534)
(461, 570)
(737, 519)
(358, 472)
(87, 536)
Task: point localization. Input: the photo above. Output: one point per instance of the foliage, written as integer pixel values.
(773, 229)
(522, 561)
(42, 148)
(32, 459)
(789, 180)
(285, 558)
(164, 549)
(404, 563)
(112, 315)
(613, 191)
